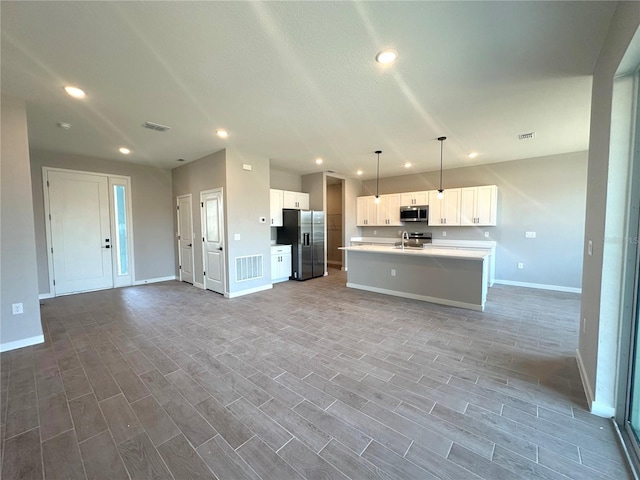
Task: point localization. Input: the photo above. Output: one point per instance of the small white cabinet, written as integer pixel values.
(444, 211)
(389, 210)
(414, 198)
(280, 263)
(297, 200)
(275, 207)
(478, 205)
(366, 211)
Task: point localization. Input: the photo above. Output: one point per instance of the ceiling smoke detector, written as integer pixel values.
(156, 126)
(526, 136)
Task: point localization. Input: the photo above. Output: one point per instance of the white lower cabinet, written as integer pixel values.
(280, 263)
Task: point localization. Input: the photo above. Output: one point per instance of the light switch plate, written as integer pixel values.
(529, 234)
(17, 308)
(236, 236)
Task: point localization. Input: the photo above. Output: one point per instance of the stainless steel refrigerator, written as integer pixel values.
(304, 231)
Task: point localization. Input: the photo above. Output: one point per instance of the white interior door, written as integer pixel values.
(185, 238)
(213, 240)
(80, 231)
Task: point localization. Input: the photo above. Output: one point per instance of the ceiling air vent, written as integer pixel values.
(155, 126)
(526, 136)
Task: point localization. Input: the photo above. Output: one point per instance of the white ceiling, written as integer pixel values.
(294, 81)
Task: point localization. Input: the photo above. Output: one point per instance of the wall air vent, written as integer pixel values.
(155, 126)
(248, 268)
(526, 136)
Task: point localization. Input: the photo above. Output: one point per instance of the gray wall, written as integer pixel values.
(247, 200)
(206, 173)
(19, 277)
(152, 212)
(280, 180)
(545, 195)
(598, 339)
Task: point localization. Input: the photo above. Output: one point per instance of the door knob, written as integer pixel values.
(107, 246)
(190, 245)
(220, 248)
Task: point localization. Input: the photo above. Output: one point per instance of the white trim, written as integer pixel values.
(44, 296)
(248, 291)
(414, 296)
(126, 183)
(539, 286)
(155, 280)
(25, 342)
(198, 285)
(596, 408)
(179, 235)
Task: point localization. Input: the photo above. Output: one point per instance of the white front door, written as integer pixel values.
(81, 240)
(185, 238)
(213, 240)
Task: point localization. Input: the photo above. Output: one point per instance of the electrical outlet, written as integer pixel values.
(486, 234)
(444, 234)
(17, 308)
(520, 266)
(375, 232)
(393, 272)
(529, 234)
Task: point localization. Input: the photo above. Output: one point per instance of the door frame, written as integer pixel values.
(179, 234)
(225, 284)
(111, 180)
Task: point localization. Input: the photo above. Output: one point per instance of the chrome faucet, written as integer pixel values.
(405, 234)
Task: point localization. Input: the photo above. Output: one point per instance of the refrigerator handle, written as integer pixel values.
(305, 240)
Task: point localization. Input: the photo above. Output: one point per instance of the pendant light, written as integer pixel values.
(377, 199)
(440, 190)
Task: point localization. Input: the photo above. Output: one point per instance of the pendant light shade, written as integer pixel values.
(440, 190)
(377, 199)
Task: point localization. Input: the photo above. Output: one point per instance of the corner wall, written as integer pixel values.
(18, 262)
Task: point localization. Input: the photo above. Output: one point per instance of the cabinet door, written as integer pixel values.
(362, 211)
(285, 265)
(421, 198)
(406, 199)
(486, 205)
(468, 204)
(275, 267)
(275, 207)
(303, 201)
(289, 199)
(451, 212)
(435, 208)
(389, 210)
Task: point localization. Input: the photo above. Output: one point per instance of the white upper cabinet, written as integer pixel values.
(478, 205)
(366, 211)
(275, 207)
(445, 211)
(389, 210)
(297, 200)
(414, 198)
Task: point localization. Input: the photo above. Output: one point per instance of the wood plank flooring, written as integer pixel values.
(308, 380)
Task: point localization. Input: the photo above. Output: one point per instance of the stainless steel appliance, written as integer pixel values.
(304, 231)
(415, 213)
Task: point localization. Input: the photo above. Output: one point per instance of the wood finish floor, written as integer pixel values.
(306, 381)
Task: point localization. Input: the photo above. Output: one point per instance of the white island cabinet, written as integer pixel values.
(280, 263)
(445, 276)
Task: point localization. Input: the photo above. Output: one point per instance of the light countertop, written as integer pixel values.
(421, 252)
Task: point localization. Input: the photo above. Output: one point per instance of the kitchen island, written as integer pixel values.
(446, 276)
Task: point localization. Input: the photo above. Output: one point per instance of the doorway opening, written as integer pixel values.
(88, 229)
(335, 221)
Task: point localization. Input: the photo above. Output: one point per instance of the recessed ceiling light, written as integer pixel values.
(359, 172)
(473, 155)
(318, 161)
(386, 56)
(222, 133)
(407, 164)
(124, 150)
(75, 92)
(64, 125)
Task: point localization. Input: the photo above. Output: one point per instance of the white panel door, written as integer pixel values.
(80, 232)
(185, 238)
(213, 240)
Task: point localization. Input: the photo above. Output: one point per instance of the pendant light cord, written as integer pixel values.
(441, 140)
(378, 152)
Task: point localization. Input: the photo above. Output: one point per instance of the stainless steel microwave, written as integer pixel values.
(415, 213)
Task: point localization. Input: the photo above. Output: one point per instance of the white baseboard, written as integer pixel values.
(596, 408)
(199, 285)
(414, 296)
(25, 342)
(248, 291)
(540, 286)
(155, 280)
(44, 296)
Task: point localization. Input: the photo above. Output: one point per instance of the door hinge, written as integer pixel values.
(51, 249)
(178, 237)
(179, 267)
(47, 183)
(203, 239)
(54, 281)
(177, 207)
(49, 217)
(204, 273)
